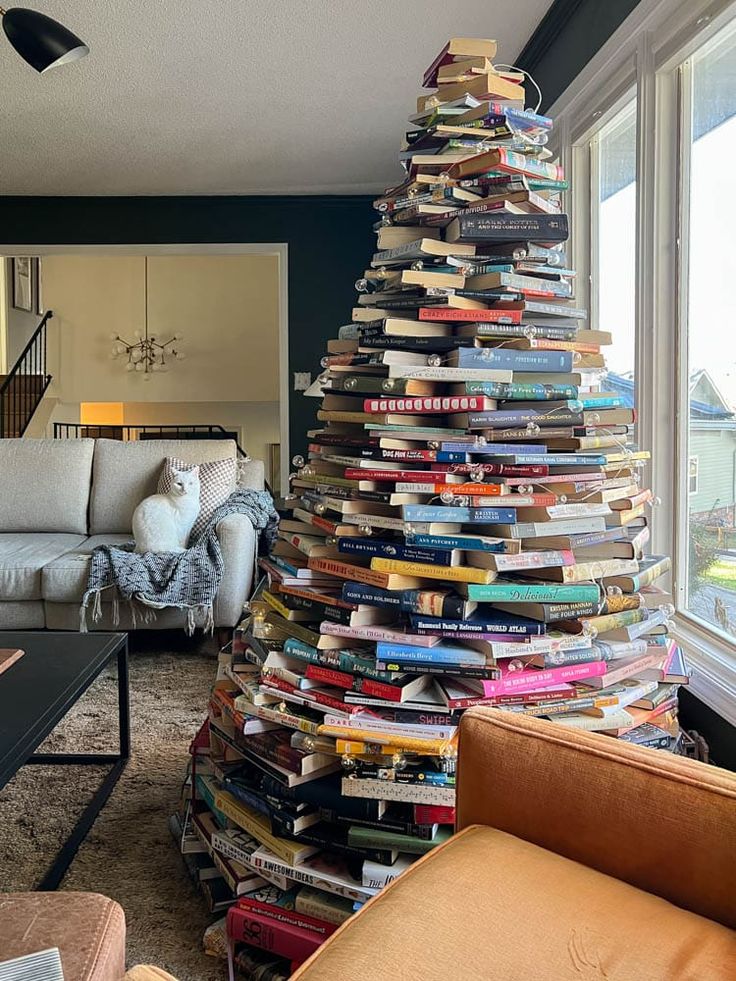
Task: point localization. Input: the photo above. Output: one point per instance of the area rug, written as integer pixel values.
(129, 855)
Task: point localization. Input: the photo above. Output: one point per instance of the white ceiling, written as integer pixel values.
(232, 96)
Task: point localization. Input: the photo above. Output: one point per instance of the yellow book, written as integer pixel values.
(413, 744)
(456, 573)
(259, 826)
(351, 747)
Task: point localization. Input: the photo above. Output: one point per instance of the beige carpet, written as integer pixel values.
(129, 853)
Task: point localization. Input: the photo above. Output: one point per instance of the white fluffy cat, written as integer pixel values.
(162, 522)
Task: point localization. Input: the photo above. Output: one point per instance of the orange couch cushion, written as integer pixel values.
(490, 906)
(88, 929)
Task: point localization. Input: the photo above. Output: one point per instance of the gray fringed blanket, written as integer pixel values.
(185, 580)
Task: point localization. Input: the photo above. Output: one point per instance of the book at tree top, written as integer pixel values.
(469, 524)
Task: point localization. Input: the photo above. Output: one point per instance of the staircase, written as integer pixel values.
(22, 390)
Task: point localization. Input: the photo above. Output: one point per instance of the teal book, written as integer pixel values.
(505, 591)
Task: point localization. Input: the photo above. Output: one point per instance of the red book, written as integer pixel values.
(433, 814)
(368, 686)
(430, 404)
(284, 939)
(497, 469)
(290, 916)
(468, 316)
(358, 473)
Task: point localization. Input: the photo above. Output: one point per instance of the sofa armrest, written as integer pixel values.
(660, 822)
(238, 543)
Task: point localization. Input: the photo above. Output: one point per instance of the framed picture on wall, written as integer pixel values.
(23, 283)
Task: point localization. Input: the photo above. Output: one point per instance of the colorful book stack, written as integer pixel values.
(469, 529)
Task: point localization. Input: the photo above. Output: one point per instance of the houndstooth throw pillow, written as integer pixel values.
(216, 484)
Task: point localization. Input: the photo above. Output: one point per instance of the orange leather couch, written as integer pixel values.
(578, 857)
(88, 929)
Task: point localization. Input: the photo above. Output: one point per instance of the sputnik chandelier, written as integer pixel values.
(146, 354)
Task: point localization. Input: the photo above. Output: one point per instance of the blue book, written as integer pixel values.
(552, 459)
(477, 544)
(497, 447)
(492, 622)
(498, 357)
(432, 512)
(394, 550)
(443, 456)
(607, 402)
(441, 654)
(451, 604)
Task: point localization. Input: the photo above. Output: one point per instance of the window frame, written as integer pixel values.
(647, 56)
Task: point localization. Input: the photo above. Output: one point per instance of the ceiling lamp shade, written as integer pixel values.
(39, 40)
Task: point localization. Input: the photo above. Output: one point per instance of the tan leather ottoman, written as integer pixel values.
(88, 929)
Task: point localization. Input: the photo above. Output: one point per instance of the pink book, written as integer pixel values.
(526, 680)
(377, 633)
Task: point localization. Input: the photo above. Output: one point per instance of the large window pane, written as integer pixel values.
(614, 274)
(709, 81)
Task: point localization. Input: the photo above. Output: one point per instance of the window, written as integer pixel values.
(613, 245)
(692, 475)
(708, 99)
(647, 132)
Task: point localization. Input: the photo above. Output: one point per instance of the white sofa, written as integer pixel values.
(61, 498)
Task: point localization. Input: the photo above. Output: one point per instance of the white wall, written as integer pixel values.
(226, 307)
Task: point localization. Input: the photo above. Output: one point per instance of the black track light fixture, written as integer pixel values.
(42, 42)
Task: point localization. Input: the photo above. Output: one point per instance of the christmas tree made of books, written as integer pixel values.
(469, 529)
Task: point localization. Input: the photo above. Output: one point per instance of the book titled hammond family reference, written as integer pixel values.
(468, 526)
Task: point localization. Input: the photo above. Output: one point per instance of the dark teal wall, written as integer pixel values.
(329, 238)
(567, 38)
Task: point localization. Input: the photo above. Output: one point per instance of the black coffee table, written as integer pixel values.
(36, 693)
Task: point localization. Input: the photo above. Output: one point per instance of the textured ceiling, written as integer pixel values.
(232, 96)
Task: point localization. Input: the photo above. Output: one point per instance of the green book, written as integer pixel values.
(373, 838)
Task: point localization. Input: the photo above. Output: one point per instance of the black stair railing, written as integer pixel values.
(25, 385)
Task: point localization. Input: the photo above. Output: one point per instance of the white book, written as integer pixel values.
(42, 966)
(376, 876)
(387, 790)
(444, 374)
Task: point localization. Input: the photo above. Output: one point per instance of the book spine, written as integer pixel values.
(511, 592)
(267, 934)
(537, 361)
(488, 515)
(518, 390)
(409, 553)
(287, 916)
(434, 814)
(430, 404)
(521, 681)
(450, 573)
(463, 316)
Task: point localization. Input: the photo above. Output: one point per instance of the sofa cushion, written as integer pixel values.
(22, 615)
(88, 929)
(65, 579)
(22, 559)
(124, 473)
(44, 484)
(489, 905)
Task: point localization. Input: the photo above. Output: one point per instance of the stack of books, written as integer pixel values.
(469, 528)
